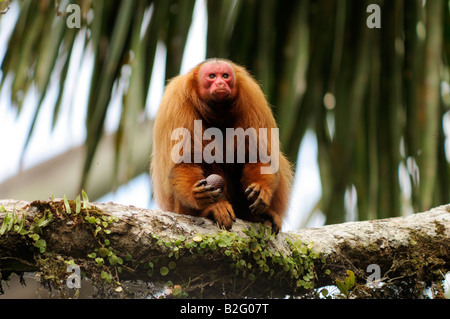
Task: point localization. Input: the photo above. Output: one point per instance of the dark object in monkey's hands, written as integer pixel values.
(216, 181)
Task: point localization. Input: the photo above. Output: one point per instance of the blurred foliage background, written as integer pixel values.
(376, 99)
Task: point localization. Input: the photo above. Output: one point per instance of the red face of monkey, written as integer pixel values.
(216, 82)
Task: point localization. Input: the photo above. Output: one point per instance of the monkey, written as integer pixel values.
(216, 98)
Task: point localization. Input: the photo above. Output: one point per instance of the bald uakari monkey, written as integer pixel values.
(219, 98)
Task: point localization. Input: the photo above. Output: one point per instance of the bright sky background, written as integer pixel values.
(68, 132)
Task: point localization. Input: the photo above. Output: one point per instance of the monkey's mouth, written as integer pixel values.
(221, 94)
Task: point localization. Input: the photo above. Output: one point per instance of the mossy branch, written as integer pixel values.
(115, 243)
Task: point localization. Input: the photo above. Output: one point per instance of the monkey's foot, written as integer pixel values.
(273, 220)
(222, 213)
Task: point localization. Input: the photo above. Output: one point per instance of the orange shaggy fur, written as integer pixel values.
(175, 185)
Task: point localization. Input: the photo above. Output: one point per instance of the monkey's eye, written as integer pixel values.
(226, 76)
(212, 76)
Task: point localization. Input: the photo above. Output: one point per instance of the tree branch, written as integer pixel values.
(191, 252)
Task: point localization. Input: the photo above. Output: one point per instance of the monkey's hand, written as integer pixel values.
(205, 194)
(222, 213)
(259, 197)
